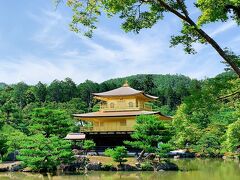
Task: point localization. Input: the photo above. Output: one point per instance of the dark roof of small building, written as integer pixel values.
(125, 90)
(118, 114)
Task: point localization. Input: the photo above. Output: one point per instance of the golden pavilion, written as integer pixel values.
(116, 117)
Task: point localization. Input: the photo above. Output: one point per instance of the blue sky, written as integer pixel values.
(37, 45)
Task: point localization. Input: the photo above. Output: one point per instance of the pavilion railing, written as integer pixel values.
(146, 107)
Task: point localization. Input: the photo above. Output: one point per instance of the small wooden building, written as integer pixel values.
(114, 122)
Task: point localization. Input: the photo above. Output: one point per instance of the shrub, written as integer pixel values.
(233, 136)
(163, 150)
(88, 145)
(118, 154)
(146, 166)
(108, 167)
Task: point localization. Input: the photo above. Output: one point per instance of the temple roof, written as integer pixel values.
(118, 114)
(75, 136)
(125, 90)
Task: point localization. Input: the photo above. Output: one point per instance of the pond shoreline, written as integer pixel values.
(201, 169)
(102, 163)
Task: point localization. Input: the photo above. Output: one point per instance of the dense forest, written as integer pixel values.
(171, 90)
(205, 113)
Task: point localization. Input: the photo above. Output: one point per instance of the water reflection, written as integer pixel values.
(196, 169)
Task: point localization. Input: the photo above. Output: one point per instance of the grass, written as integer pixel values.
(108, 160)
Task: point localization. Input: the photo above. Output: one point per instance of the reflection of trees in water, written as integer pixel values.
(21, 175)
(214, 169)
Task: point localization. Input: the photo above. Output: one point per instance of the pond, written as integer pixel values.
(196, 169)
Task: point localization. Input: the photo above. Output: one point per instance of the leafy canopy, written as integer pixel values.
(51, 122)
(149, 132)
(88, 145)
(207, 120)
(233, 136)
(118, 154)
(139, 14)
(45, 154)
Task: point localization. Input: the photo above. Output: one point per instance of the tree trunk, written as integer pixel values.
(140, 157)
(220, 51)
(8, 117)
(14, 155)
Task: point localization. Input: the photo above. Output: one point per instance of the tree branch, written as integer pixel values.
(183, 7)
(211, 41)
(169, 8)
(229, 95)
(236, 9)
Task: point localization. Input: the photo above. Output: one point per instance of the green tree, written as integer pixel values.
(166, 110)
(2, 85)
(45, 154)
(201, 120)
(75, 105)
(55, 91)
(69, 89)
(96, 108)
(163, 150)
(3, 145)
(137, 84)
(149, 84)
(85, 91)
(51, 122)
(8, 108)
(148, 132)
(40, 92)
(219, 12)
(88, 145)
(118, 154)
(209, 144)
(186, 131)
(12, 139)
(19, 93)
(137, 15)
(30, 97)
(233, 136)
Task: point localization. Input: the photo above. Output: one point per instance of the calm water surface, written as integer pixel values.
(192, 170)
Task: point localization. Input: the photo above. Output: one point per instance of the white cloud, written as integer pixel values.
(31, 69)
(109, 54)
(224, 27)
(49, 33)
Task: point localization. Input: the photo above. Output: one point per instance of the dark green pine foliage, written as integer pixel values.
(19, 94)
(50, 122)
(45, 154)
(149, 132)
(40, 91)
(118, 154)
(85, 91)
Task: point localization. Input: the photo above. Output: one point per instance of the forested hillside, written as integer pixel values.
(205, 113)
(171, 89)
(2, 85)
(43, 112)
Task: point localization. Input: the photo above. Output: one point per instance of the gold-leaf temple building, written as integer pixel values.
(114, 121)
